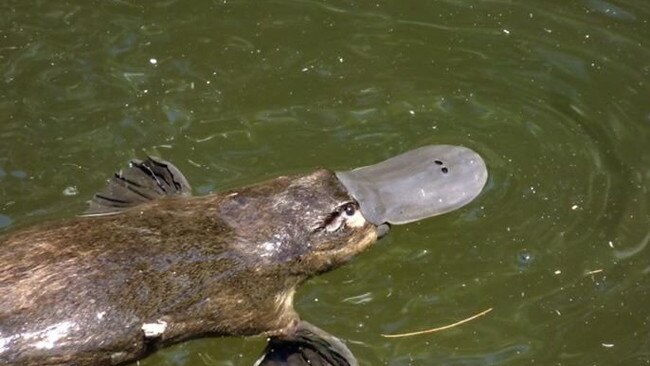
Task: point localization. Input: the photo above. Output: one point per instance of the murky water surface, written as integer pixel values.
(554, 94)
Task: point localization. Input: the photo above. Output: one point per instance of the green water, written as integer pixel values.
(554, 94)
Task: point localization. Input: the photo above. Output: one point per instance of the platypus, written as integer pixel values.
(149, 264)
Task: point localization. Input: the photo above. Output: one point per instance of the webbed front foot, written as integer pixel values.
(306, 345)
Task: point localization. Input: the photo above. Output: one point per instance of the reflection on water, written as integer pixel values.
(553, 94)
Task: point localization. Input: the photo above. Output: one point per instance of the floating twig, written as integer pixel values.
(426, 331)
(593, 272)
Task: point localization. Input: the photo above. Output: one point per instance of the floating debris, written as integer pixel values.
(439, 328)
(71, 191)
(593, 272)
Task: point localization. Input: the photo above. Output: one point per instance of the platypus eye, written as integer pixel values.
(350, 208)
(338, 218)
(352, 216)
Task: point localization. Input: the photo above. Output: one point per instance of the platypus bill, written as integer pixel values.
(149, 265)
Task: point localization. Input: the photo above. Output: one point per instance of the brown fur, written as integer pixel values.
(78, 292)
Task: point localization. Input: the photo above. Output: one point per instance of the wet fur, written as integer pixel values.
(222, 264)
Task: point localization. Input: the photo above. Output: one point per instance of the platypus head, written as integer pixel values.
(310, 222)
(319, 221)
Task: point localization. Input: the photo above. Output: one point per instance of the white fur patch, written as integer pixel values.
(50, 335)
(152, 330)
(4, 342)
(46, 338)
(356, 220)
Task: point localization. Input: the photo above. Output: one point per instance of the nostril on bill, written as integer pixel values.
(444, 169)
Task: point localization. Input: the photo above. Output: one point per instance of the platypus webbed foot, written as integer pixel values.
(141, 182)
(306, 345)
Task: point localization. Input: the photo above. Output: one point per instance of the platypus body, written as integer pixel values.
(149, 265)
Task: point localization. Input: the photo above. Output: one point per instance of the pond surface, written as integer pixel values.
(553, 94)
